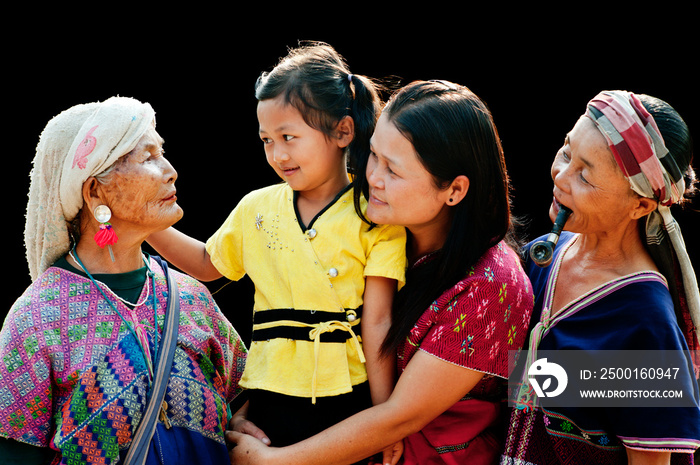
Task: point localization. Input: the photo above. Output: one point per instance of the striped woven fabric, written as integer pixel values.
(637, 145)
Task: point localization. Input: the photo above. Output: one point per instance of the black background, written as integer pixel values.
(198, 74)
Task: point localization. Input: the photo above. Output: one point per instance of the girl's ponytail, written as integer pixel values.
(365, 110)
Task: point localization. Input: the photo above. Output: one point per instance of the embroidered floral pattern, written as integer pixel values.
(561, 426)
(459, 324)
(476, 322)
(493, 353)
(467, 345)
(566, 426)
(512, 332)
(490, 329)
(503, 292)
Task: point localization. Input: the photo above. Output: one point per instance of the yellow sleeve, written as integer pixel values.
(387, 255)
(225, 247)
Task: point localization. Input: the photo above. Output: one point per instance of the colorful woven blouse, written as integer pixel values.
(473, 325)
(73, 378)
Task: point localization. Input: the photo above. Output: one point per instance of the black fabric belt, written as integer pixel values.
(304, 316)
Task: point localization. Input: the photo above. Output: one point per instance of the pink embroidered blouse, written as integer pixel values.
(474, 324)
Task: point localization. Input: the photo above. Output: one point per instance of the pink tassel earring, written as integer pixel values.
(106, 235)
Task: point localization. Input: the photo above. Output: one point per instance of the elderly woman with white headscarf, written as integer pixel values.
(109, 356)
(620, 282)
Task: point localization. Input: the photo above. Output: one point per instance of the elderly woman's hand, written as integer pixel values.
(247, 449)
(241, 424)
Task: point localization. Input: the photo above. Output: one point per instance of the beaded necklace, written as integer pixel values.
(135, 327)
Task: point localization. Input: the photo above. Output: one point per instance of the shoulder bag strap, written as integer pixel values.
(138, 451)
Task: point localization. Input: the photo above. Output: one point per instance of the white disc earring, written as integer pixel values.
(105, 236)
(102, 213)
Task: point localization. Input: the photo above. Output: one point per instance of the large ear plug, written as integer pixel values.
(106, 235)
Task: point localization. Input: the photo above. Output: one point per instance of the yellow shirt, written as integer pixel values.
(304, 279)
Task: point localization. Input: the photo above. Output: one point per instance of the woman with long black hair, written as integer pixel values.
(437, 168)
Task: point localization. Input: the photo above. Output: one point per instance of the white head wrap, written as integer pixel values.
(81, 142)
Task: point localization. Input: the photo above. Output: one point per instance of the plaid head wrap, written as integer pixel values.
(639, 150)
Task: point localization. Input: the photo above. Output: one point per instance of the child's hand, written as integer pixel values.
(390, 455)
(241, 424)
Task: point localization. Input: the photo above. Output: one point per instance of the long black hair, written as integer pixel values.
(677, 139)
(316, 80)
(453, 134)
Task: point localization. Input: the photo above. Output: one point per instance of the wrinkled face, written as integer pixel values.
(140, 189)
(589, 182)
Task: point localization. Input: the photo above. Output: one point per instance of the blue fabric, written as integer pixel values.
(639, 316)
(180, 446)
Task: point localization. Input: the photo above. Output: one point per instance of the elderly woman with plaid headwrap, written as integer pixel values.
(620, 279)
(109, 356)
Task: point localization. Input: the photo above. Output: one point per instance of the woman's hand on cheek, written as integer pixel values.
(247, 450)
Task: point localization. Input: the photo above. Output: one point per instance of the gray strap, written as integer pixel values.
(138, 451)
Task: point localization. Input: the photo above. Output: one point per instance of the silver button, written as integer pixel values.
(333, 272)
(311, 233)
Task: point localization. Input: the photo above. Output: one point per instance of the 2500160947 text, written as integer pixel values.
(631, 373)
